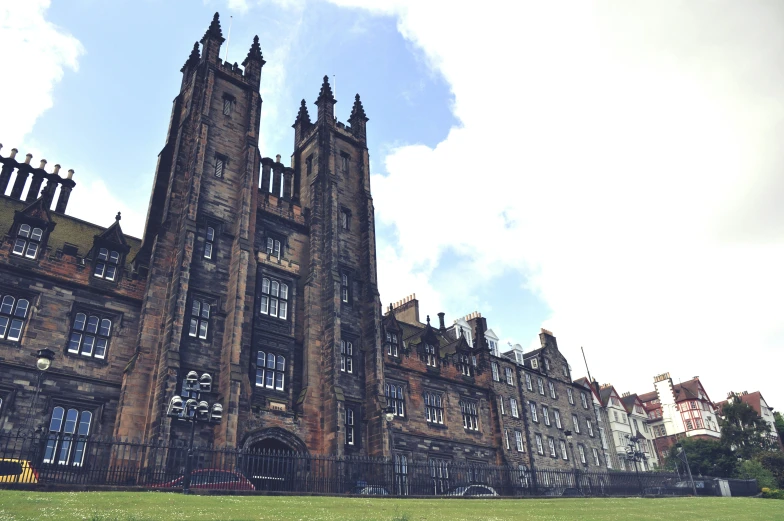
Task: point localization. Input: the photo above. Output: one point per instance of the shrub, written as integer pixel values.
(751, 469)
(772, 494)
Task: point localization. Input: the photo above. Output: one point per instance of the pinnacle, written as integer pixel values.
(325, 94)
(357, 111)
(302, 115)
(254, 53)
(214, 30)
(193, 58)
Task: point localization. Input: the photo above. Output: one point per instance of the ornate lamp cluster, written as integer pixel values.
(195, 410)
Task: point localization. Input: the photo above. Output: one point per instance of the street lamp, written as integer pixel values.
(682, 452)
(635, 454)
(569, 438)
(194, 410)
(44, 362)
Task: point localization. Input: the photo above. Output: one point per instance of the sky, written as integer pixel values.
(610, 171)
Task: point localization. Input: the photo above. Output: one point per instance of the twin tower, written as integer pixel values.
(261, 274)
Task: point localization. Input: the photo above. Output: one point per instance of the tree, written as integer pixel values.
(779, 423)
(753, 469)
(743, 430)
(706, 458)
(774, 462)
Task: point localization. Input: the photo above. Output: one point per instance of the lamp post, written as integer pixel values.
(389, 415)
(194, 410)
(682, 452)
(569, 438)
(44, 362)
(635, 454)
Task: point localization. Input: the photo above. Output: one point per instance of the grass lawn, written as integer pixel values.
(142, 506)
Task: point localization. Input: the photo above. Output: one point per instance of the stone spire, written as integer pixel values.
(254, 62)
(358, 119)
(212, 40)
(193, 59)
(214, 30)
(326, 103)
(302, 115)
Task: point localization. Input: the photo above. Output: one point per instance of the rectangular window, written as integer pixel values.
(551, 385)
(534, 416)
(519, 441)
(28, 241)
(270, 370)
(564, 454)
(465, 365)
(439, 473)
(309, 164)
(66, 442)
(584, 400)
(506, 438)
(346, 356)
(220, 164)
(345, 294)
(13, 315)
(596, 457)
(551, 446)
(274, 298)
(698, 423)
(513, 406)
(509, 376)
(590, 426)
(228, 104)
(689, 426)
(570, 395)
(395, 399)
(539, 445)
(528, 384)
(273, 248)
(557, 416)
(494, 369)
(534, 363)
(209, 238)
(546, 364)
(392, 345)
(546, 415)
(470, 416)
(200, 319)
(576, 423)
(349, 426)
(401, 475)
(434, 408)
(106, 264)
(540, 385)
(581, 450)
(345, 218)
(89, 335)
(430, 355)
(501, 401)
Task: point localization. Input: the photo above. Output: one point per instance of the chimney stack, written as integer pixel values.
(441, 325)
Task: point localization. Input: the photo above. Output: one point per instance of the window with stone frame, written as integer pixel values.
(395, 399)
(576, 423)
(546, 415)
(345, 288)
(345, 218)
(509, 375)
(470, 415)
(551, 386)
(28, 241)
(431, 356)
(570, 395)
(209, 242)
(513, 407)
(274, 247)
(270, 370)
(534, 363)
(528, 383)
(228, 104)
(309, 164)
(557, 418)
(584, 400)
(392, 344)
(596, 459)
(564, 453)
(551, 446)
(350, 426)
(590, 427)
(274, 298)
(90, 334)
(401, 475)
(546, 364)
(519, 441)
(220, 166)
(106, 264)
(13, 316)
(534, 414)
(434, 407)
(581, 451)
(464, 362)
(494, 370)
(345, 159)
(199, 319)
(540, 385)
(346, 356)
(66, 440)
(501, 401)
(506, 438)
(539, 444)
(439, 473)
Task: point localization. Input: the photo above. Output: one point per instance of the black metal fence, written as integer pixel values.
(72, 460)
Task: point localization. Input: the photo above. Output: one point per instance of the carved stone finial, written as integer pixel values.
(254, 54)
(302, 115)
(357, 112)
(325, 94)
(214, 30)
(193, 58)
(117, 217)
(428, 320)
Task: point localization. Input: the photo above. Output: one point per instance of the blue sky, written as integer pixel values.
(607, 171)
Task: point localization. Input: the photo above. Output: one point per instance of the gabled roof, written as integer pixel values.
(605, 393)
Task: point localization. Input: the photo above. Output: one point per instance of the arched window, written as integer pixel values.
(13, 314)
(106, 263)
(274, 298)
(90, 335)
(28, 241)
(434, 408)
(67, 440)
(270, 371)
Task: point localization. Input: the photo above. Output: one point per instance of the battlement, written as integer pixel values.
(661, 377)
(31, 191)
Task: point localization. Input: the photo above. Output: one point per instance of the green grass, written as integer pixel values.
(144, 506)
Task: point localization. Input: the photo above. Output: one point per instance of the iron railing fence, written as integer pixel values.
(73, 460)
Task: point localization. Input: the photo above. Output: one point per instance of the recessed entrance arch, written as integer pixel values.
(273, 459)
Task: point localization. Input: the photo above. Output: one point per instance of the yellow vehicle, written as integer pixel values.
(17, 471)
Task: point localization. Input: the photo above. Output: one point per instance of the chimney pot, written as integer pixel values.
(70, 173)
(56, 169)
(277, 158)
(43, 164)
(28, 157)
(14, 152)
(441, 325)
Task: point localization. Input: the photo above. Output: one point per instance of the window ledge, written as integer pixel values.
(98, 361)
(439, 426)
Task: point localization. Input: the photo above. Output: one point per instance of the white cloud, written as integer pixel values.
(617, 155)
(35, 54)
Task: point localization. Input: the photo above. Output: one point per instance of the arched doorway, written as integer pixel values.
(275, 460)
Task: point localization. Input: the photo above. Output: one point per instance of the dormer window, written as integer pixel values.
(392, 345)
(465, 365)
(106, 264)
(430, 355)
(534, 363)
(28, 241)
